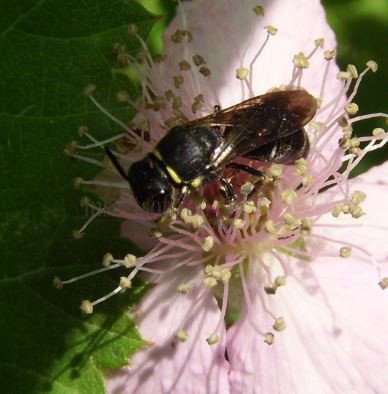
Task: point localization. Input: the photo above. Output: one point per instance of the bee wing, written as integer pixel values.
(259, 120)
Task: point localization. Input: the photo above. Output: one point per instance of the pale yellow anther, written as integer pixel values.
(337, 209)
(345, 251)
(157, 233)
(208, 243)
(209, 282)
(347, 131)
(275, 171)
(125, 283)
(78, 182)
(353, 70)
(246, 188)
(183, 288)
(384, 283)
(129, 261)
(346, 208)
(306, 225)
(181, 335)
(203, 205)
(213, 339)
(291, 221)
(89, 90)
(87, 307)
(122, 96)
(225, 275)
(178, 81)
(77, 234)
(316, 125)
(216, 272)
(85, 201)
(280, 281)
(215, 204)
(268, 338)
(133, 29)
(249, 207)
(344, 143)
(57, 282)
(351, 108)
(372, 65)
(288, 196)
(343, 121)
(198, 60)
(354, 142)
(300, 60)
(357, 212)
(195, 220)
(270, 289)
(242, 73)
(70, 149)
(272, 30)
(355, 151)
(265, 202)
(307, 180)
(300, 167)
(344, 75)
(107, 259)
(378, 132)
(208, 270)
(329, 54)
(82, 130)
(319, 42)
(258, 10)
(270, 227)
(184, 65)
(238, 223)
(279, 324)
(205, 71)
(358, 197)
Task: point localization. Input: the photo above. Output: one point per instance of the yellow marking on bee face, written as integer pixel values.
(174, 176)
(197, 182)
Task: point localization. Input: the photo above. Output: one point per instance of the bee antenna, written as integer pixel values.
(116, 163)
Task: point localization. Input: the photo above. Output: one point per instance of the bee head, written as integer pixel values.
(150, 185)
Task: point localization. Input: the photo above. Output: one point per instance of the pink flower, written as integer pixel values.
(299, 262)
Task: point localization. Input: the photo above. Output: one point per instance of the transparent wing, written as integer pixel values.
(259, 121)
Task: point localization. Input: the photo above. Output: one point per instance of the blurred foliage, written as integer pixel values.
(362, 30)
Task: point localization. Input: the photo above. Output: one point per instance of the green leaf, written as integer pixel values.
(50, 51)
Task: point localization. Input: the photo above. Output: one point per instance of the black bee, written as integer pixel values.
(268, 128)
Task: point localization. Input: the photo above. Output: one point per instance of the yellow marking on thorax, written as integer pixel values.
(174, 176)
(157, 154)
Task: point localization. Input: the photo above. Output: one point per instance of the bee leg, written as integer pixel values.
(116, 163)
(181, 196)
(249, 170)
(252, 171)
(227, 191)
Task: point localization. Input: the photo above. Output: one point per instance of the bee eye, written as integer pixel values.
(158, 202)
(150, 186)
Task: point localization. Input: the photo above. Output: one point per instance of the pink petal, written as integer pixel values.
(139, 232)
(370, 232)
(335, 312)
(169, 365)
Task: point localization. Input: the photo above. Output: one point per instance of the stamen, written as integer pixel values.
(117, 121)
